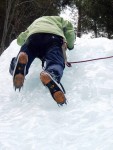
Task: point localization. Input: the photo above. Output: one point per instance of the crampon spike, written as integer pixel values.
(19, 89)
(15, 88)
(62, 104)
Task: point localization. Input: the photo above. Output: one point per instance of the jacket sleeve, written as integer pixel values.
(22, 38)
(69, 34)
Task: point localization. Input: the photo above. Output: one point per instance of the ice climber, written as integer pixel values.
(47, 38)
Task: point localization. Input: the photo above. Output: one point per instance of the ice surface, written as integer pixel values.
(31, 120)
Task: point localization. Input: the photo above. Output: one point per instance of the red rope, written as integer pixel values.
(91, 59)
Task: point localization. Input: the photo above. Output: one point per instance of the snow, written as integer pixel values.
(31, 120)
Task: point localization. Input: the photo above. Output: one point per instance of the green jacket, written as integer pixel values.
(50, 24)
